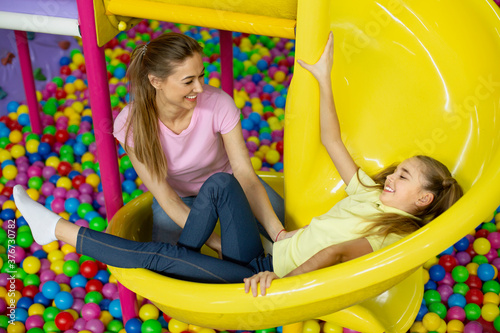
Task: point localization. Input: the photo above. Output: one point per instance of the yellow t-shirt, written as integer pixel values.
(343, 222)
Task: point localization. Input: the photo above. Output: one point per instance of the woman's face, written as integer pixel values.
(179, 91)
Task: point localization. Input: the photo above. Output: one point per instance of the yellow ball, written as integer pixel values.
(258, 107)
(12, 116)
(256, 163)
(254, 139)
(9, 204)
(79, 85)
(272, 156)
(64, 286)
(66, 248)
(279, 76)
(311, 326)
(88, 157)
(472, 268)
(64, 215)
(52, 246)
(491, 297)
(64, 182)
(264, 149)
(13, 297)
(57, 266)
(93, 180)
(489, 312)
(53, 161)
(69, 88)
(206, 330)
(239, 101)
(431, 321)
(22, 109)
(32, 146)
(332, 328)
(214, 82)
(31, 265)
(17, 151)
(105, 317)
(442, 327)
(455, 326)
(55, 255)
(9, 172)
(148, 311)
(33, 193)
(481, 246)
(16, 327)
(176, 326)
(78, 59)
(418, 327)
(36, 309)
(39, 96)
(73, 313)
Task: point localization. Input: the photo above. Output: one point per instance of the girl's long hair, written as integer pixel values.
(158, 58)
(438, 180)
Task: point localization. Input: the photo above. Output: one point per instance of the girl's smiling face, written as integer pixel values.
(404, 189)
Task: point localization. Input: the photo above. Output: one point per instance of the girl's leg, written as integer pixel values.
(164, 228)
(221, 197)
(164, 258)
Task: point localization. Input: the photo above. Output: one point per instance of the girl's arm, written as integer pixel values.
(332, 255)
(168, 199)
(329, 123)
(254, 191)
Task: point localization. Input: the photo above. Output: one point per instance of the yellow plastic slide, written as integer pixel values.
(410, 77)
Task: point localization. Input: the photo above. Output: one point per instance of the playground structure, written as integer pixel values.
(407, 79)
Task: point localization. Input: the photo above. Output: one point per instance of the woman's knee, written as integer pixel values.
(221, 181)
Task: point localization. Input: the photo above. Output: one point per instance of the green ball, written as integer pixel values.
(96, 167)
(125, 197)
(4, 142)
(461, 288)
(146, 37)
(121, 91)
(460, 274)
(35, 330)
(73, 129)
(480, 259)
(4, 321)
(115, 100)
(265, 130)
(50, 326)
(67, 158)
(491, 286)
(84, 258)
(110, 68)
(32, 280)
(496, 323)
(24, 228)
(491, 227)
(125, 162)
(51, 129)
(252, 70)
(93, 297)
(83, 209)
(88, 138)
(20, 273)
(88, 165)
(3, 180)
(26, 129)
(279, 87)
(136, 193)
(58, 81)
(24, 239)
(50, 313)
(66, 149)
(253, 39)
(73, 52)
(432, 296)
(439, 309)
(98, 224)
(121, 36)
(151, 326)
(35, 182)
(32, 136)
(472, 311)
(50, 109)
(131, 44)
(3, 235)
(267, 330)
(264, 39)
(71, 268)
(8, 267)
(115, 325)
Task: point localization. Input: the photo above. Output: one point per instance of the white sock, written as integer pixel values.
(42, 221)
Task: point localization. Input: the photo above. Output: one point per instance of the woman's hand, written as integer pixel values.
(322, 69)
(288, 234)
(264, 278)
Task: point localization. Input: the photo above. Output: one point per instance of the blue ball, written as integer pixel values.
(280, 102)
(447, 251)
(262, 65)
(44, 148)
(462, 244)
(90, 215)
(21, 221)
(79, 149)
(457, 300)
(265, 136)
(12, 106)
(256, 78)
(71, 205)
(23, 119)
(87, 119)
(63, 300)
(130, 174)
(255, 118)
(268, 88)
(73, 174)
(21, 315)
(263, 124)
(4, 132)
(247, 124)
(74, 217)
(266, 103)
(39, 298)
(50, 289)
(7, 214)
(278, 166)
(430, 285)
(129, 186)
(24, 302)
(104, 304)
(78, 281)
(485, 272)
(133, 325)
(70, 79)
(242, 56)
(7, 162)
(211, 68)
(437, 273)
(40, 254)
(54, 178)
(103, 276)
(64, 61)
(119, 72)
(48, 201)
(115, 310)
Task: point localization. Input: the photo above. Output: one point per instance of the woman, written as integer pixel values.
(178, 132)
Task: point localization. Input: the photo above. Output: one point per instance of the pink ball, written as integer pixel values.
(91, 311)
(18, 254)
(250, 87)
(85, 198)
(448, 279)
(62, 278)
(34, 321)
(73, 193)
(252, 146)
(48, 172)
(51, 87)
(86, 188)
(3, 305)
(59, 192)
(44, 264)
(99, 197)
(78, 292)
(35, 247)
(473, 327)
(445, 291)
(494, 238)
(109, 290)
(79, 324)
(71, 256)
(82, 223)
(456, 312)
(492, 254)
(95, 326)
(47, 275)
(78, 304)
(4, 279)
(34, 171)
(57, 205)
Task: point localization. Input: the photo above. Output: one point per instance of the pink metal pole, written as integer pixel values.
(226, 61)
(103, 127)
(28, 80)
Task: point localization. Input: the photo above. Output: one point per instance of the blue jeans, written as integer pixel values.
(220, 198)
(166, 230)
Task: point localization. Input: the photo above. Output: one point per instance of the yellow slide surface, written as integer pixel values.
(410, 77)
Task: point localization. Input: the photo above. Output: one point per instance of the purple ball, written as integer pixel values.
(86, 188)
(102, 211)
(463, 258)
(99, 197)
(48, 172)
(59, 192)
(3, 305)
(445, 291)
(57, 205)
(72, 256)
(44, 264)
(73, 193)
(18, 254)
(79, 324)
(4, 279)
(22, 160)
(35, 247)
(47, 188)
(3, 198)
(22, 178)
(62, 278)
(87, 172)
(47, 275)
(109, 290)
(95, 326)
(473, 327)
(448, 279)
(78, 304)
(10, 183)
(78, 292)
(85, 198)
(34, 321)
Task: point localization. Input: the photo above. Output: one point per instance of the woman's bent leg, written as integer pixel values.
(174, 261)
(164, 228)
(221, 196)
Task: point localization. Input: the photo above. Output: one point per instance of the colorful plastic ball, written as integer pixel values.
(456, 300)
(431, 322)
(98, 224)
(83, 209)
(31, 265)
(437, 273)
(486, 272)
(460, 274)
(175, 326)
(439, 309)
(148, 311)
(115, 309)
(63, 300)
(93, 297)
(64, 321)
(90, 311)
(89, 269)
(34, 321)
(473, 327)
(134, 326)
(50, 313)
(481, 246)
(9, 172)
(491, 286)
(432, 296)
(71, 268)
(50, 289)
(152, 326)
(489, 312)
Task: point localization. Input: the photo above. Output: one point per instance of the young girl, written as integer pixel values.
(376, 213)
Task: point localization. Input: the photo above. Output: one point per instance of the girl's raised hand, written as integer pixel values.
(323, 67)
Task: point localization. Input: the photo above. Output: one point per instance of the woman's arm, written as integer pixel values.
(329, 123)
(256, 194)
(168, 199)
(332, 255)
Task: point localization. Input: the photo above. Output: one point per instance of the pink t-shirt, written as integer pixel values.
(197, 152)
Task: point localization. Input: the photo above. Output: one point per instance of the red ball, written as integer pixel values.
(30, 291)
(101, 266)
(93, 285)
(60, 93)
(279, 147)
(474, 282)
(125, 58)
(7, 191)
(48, 138)
(166, 317)
(88, 269)
(65, 70)
(474, 296)
(62, 136)
(110, 75)
(64, 168)
(77, 181)
(265, 97)
(5, 120)
(482, 233)
(19, 284)
(9, 146)
(237, 40)
(112, 43)
(64, 321)
(283, 62)
(214, 57)
(448, 262)
(82, 68)
(470, 251)
(268, 115)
